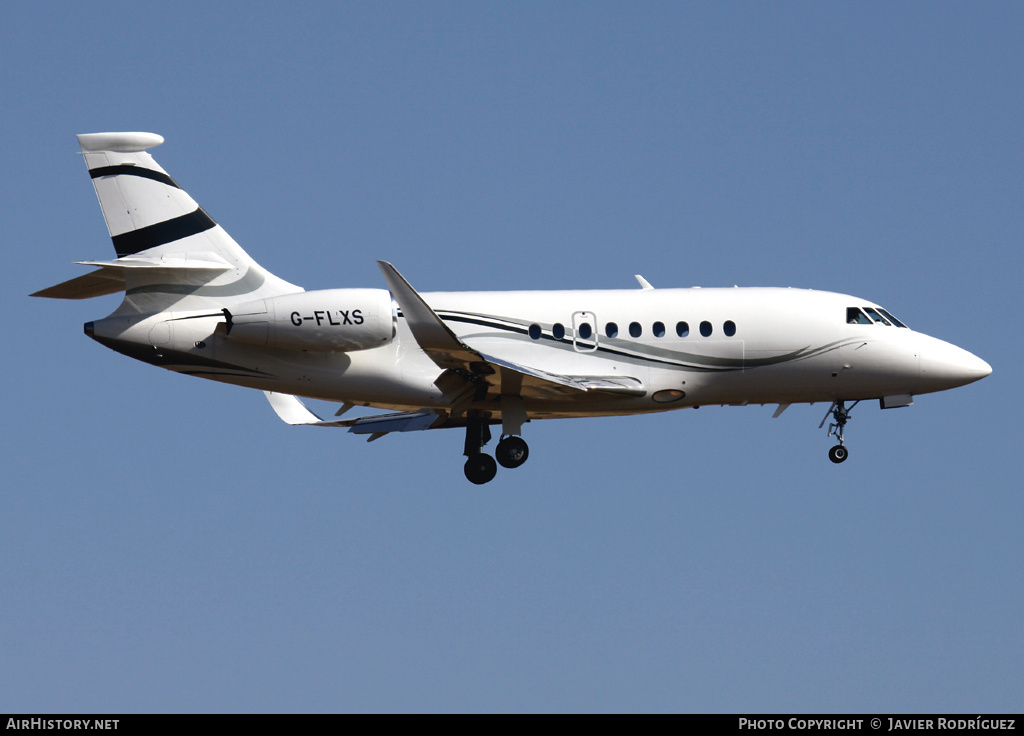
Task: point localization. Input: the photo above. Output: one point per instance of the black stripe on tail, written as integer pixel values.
(162, 233)
(133, 171)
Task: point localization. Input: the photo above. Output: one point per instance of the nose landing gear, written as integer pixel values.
(841, 413)
(838, 453)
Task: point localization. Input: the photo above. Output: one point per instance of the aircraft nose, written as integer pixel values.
(948, 366)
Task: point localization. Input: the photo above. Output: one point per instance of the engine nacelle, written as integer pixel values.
(330, 319)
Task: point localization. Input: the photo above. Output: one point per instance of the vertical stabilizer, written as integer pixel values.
(151, 218)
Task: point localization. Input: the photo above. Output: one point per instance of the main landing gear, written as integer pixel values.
(512, 452)
(481, 468)
(841, 413)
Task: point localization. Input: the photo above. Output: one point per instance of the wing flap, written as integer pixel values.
(614, 384)
(564, 381)
(399, 422)
(292, 411)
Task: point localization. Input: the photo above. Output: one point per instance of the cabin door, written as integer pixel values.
(584, 332)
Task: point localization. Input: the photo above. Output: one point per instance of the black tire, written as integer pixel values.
(512, 452)
(481, 468)
(838, 454)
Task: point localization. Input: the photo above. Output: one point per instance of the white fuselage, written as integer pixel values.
(762, 345)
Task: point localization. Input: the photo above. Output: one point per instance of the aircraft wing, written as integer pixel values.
(460, 360)
(432, 334)
(292, 411)
(616, 384)
(468, 373)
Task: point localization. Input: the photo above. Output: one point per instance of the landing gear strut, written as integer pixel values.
(841, 414)
(480, 467)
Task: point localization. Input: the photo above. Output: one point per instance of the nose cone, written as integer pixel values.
(946, 366)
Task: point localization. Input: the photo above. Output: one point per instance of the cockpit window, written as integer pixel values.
(856, 317)
(891, 318)
(870, 315)
(876, 316)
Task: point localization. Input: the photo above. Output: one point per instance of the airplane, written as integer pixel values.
(196, 303)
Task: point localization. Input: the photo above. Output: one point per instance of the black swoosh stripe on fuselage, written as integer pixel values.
(724, 365)
(171, 359)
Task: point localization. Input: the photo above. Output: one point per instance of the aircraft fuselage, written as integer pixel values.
(762, 345)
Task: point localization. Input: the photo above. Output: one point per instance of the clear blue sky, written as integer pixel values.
(166, 544)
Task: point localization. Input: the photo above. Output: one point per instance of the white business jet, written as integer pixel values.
(196, 303)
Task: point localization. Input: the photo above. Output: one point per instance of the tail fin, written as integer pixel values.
(170, 253)
(143, 206)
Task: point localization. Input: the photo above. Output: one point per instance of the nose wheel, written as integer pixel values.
(840, 413)
(838, 453)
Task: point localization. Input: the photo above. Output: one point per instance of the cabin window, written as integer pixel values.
(585, 330)
(705, 329)
(659, 329)
(558, 330)
(682, 329)
(635, 329)
(729, 328)
(611, 329)
(535, 332)
(856, 317)
(891, 318)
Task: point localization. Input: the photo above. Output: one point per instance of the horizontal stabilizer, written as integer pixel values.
(196, 262)
(109, 279)
(98, 283)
